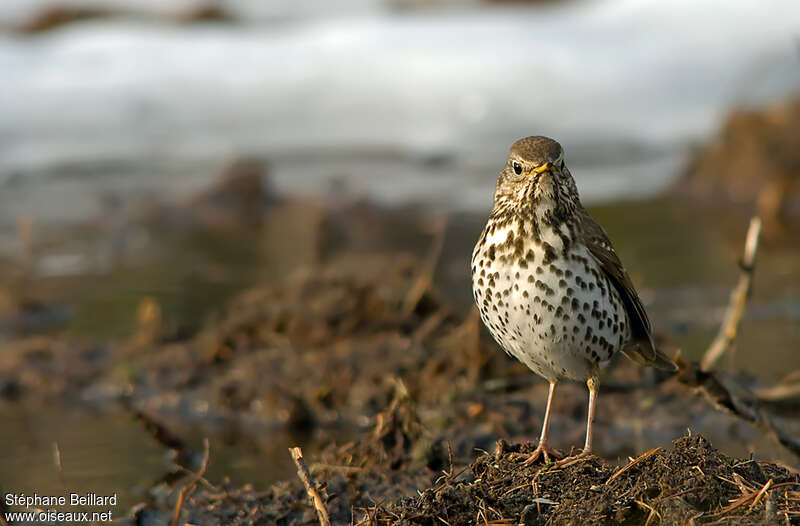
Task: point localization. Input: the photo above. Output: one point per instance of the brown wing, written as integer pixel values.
(642, 349)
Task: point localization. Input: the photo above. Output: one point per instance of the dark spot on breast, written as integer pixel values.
(519, 246)
(549, 253)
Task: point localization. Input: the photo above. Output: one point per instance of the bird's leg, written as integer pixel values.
(591, 383)
(543, 449)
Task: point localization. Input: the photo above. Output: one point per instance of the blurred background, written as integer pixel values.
(160, 158)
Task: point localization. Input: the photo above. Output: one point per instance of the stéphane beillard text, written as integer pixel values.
(73, 499)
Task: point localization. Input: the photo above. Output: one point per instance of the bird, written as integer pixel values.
(549, 285)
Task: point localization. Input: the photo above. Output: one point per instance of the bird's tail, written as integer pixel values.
(644, 353)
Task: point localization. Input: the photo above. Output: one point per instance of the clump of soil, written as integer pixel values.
(690, 481)
(379, 480)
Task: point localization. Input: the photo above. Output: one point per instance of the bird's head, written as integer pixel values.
(536, 178)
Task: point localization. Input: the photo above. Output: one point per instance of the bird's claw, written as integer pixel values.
(568, 461)
(542, 450)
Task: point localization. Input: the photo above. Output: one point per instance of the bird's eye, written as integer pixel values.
(517, 167)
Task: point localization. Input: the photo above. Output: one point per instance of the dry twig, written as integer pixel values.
(761, 493)
(727, 332)
(311, 487)
(757, 494)
(653, 513)
(59, 466)
(723, 391)
(189, 487)
(631, 464)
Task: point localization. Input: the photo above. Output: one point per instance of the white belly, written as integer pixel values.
(560, 319)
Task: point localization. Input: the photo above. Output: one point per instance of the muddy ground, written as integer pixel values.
(364, 344)
(375, 482)
(356, 332)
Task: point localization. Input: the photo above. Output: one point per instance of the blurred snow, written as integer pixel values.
(625, 85)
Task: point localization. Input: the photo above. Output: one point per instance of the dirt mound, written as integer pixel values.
(691, 481)
(378, 480)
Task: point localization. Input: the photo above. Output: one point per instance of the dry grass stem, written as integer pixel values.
(631, 464)
(653, 513)
(59, 466)
(761, 493)
(189, 487)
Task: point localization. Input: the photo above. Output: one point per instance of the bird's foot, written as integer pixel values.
(542, 450)
(572, 459)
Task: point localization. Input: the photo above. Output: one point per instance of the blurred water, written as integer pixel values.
(395, 104)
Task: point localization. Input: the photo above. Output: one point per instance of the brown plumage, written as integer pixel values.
(642, 348)
(547, 281)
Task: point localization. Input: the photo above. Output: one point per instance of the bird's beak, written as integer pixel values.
(546, 167)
